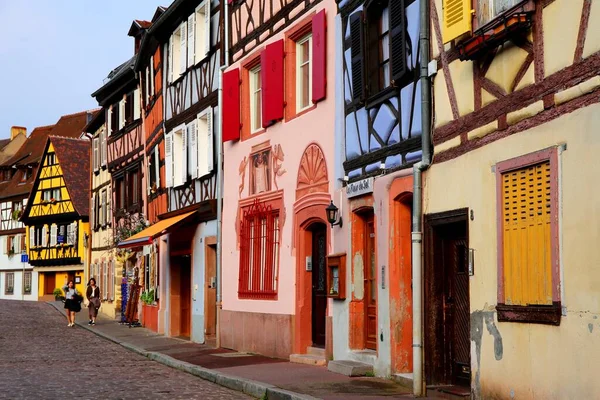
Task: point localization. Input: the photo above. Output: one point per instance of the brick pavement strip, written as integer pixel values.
(41, 358)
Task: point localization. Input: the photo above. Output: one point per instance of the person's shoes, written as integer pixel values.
(69, 324)
(90, 323)
(93, 323)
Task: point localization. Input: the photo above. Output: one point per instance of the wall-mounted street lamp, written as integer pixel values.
(332, 215)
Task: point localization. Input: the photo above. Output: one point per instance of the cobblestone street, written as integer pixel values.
(41, 358)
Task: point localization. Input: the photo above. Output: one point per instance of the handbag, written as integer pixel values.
(95, 301)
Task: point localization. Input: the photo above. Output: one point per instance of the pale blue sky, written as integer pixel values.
(54, 54)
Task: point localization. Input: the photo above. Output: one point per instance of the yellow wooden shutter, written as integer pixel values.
(526, 224)
(457, 19)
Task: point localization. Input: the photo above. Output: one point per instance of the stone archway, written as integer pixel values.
(312, 197)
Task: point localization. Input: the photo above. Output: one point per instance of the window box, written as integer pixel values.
(495, 34)
(336, 276)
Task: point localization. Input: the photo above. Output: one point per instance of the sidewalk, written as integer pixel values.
(252, 374)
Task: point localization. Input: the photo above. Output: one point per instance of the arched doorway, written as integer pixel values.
(311, 246)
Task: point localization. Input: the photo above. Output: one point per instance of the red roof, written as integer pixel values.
(73, 156)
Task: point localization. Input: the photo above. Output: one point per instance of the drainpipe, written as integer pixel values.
(417, 234)
(224, 46)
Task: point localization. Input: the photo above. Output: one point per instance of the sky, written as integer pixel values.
(55, 53)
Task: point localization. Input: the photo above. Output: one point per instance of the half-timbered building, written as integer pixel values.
(124, 160)
(378, 140)
(14, 188)
(182, 48)
(510, 201)
(278, 129)
(57, 214)
(101, 250)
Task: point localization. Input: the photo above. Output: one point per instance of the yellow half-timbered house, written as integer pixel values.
(57, 215)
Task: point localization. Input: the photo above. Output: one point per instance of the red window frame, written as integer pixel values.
(260, 243)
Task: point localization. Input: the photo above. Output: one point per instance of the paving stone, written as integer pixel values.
(42, 358)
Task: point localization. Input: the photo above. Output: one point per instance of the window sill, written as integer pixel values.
(382, 96)
(257, 296)
(547, 315)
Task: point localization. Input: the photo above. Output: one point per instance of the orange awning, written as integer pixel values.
(146, 236)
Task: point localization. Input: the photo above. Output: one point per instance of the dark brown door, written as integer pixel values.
(186, 296)
(456, 310)
(447, 308)
(319, 292)
(210, 294)
(49, 283)
(370, 285)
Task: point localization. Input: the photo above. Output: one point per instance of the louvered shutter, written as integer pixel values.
(319, 53)
(149, 166)
(398, 39)
(152, 75)
(109, 120)
(44, 236)
(136, 104)
(17, 244)
(147, 87)
(193, 132)
(357, 54)
(105, 288)
(103, 147)
(183, 48)
(231, 103)
(111, 280)
(210, 145)
(95, 154)
(74, 232)
(157, 166)
(108, 203)
(183, 161)
(53, 233)
(31, 237)
(169, 160)
(271, 64)
(70, 233)
(191, 46)
(104, 208)
(171, 66)
(93, 212)
(122, 114)
(457, 19)
(207, 26)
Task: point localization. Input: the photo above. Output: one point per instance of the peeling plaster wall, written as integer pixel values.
(540, 361)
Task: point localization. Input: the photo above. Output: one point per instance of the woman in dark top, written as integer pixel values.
(93, 296)
(72, 302)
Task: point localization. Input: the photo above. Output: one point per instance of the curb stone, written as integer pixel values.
(250, 387)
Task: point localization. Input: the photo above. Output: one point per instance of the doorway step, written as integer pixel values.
(450, 392)
(314, 356)
(350, 368)
(405, 380)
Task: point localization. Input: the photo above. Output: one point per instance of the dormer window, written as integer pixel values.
(24, 176)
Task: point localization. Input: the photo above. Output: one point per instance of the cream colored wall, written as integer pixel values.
(12, 147)
(537, 361)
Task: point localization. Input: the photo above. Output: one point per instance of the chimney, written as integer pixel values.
(16, 130)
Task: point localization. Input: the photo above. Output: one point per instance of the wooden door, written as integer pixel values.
(49, 283)
(186, 296)
(210, 293)
(370, 279)
(456, 310)
(319, 286)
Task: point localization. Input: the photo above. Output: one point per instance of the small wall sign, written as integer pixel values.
(77, 279)
(309, 263)
(364, 186)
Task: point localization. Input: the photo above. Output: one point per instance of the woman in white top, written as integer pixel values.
(93, 295)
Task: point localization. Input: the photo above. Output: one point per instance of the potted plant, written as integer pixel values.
(27, 289)
(16, 214)
(53, 200)
(58, 294)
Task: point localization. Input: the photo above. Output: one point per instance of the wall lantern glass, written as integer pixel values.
(332, 215)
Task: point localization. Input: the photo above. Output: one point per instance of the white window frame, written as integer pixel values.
(179, 155)
(174, 55)
(103, 148)
(96, 146)
(202, 31)
(299, 76)
(254, 75)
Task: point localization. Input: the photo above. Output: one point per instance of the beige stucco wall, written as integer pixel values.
(534, 361)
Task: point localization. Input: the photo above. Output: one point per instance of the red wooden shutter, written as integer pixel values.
(230, 113)
(319, 61)
(271, 64)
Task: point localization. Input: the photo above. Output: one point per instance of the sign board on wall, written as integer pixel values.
(364, 186)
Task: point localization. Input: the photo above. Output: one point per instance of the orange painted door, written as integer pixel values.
(210, 294)
(49, 283)
(370, 275)
(319, 287)
(186, 296)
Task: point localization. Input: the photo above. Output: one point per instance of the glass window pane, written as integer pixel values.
(305, 73)
(385, 20)
(385, 48)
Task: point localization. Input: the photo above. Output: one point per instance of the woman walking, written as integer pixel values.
(93, 295)
(72, 302)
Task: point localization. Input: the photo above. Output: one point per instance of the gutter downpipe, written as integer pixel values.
(417, 231)
(220, 181)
